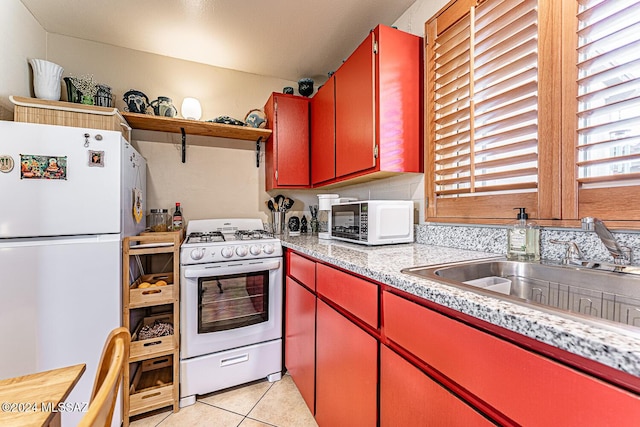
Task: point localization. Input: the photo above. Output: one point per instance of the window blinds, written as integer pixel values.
(608, 93)
(486, 103)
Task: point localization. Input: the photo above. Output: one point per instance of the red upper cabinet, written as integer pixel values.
(355, 120)
(323, 132)
(287, 150)
(379, 106)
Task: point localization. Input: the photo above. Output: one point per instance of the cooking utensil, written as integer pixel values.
(288, 203)
(274, 204)
(279, 202)
(269, 204)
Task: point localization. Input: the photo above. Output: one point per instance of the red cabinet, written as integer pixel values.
(287, 150)
(408, 397)
(332, 360)
(346, 371)
(379, 106)
(522, 385)
(300, 340)
(355, 104)
(323, 132)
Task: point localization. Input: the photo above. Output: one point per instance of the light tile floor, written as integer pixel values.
(258, 404)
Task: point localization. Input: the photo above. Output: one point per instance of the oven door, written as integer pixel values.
(230, 304)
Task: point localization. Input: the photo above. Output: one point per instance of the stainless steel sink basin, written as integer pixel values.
(593, 290)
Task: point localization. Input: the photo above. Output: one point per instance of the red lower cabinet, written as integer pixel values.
(526, 387)
(408, 397)
(300, 340)
(346, 372)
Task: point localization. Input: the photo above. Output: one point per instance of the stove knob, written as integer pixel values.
(197, 253)
(255, 250)
(227, 252)
(268, 249)
(241, 251)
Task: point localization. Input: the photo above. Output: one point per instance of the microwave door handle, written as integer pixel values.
(225, 270)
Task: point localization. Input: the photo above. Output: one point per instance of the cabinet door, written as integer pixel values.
(408, 397)
(287, 151)
(524, 386)
(323, 133)
(399, 100)
(300, 340)
(346, 372)
(355, 118)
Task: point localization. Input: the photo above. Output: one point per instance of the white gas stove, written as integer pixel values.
(231, 299)
(220, 240)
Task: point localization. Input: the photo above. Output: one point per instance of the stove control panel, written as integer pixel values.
(196, 254)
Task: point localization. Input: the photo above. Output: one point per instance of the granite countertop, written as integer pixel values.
(617, 347)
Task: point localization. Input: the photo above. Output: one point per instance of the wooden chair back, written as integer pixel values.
(108, 378)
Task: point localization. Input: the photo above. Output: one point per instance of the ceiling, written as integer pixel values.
(289, 39)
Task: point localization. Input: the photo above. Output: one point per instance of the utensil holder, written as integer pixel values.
(277, 222)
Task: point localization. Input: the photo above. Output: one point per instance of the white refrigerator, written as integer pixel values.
(68, 196)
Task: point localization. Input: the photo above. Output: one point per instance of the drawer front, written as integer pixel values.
(151, 296)
(358, 296)
(303, 270)
(152, 347)
(526, 387)
(150, 399)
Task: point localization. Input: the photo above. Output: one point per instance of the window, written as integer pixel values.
(536, 104)
(608, 108)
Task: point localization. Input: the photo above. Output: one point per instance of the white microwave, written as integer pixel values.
(373, 222)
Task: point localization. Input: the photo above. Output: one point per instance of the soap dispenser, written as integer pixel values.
(523, 239)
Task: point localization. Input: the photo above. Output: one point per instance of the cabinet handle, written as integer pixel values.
(152, 343)
(151, 395)
(234, 360)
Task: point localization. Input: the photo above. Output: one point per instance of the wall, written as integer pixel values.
(220, 177)
(22, 38)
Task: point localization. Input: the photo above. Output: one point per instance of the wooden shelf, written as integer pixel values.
(156, 381)
(195, 127)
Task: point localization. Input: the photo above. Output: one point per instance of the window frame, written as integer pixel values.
(558, 200)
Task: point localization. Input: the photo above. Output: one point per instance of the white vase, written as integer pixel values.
(46, 79)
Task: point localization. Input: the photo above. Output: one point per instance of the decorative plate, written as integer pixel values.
(256, 118)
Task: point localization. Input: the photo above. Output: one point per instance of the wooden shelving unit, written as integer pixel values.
(151, 377)
(196, 127)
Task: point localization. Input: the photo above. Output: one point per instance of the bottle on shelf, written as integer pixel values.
(177, 218)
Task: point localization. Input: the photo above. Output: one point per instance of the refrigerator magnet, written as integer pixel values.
(6, 163)
(43, 167)
(96, 158)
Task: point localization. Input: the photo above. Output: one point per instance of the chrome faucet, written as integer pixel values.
(622, 255)
(573, 255)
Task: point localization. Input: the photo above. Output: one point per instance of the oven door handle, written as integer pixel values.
(223, 270)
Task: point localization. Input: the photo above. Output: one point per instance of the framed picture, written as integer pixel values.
(96, 158)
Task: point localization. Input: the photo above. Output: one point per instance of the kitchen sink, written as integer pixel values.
(595, 290)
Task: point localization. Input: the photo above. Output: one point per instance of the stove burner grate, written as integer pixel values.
(211, 236)
(253, 234)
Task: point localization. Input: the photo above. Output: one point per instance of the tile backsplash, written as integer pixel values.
(494, 239)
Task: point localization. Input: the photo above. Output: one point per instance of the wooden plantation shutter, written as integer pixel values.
(608, 109)
(483, 111)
